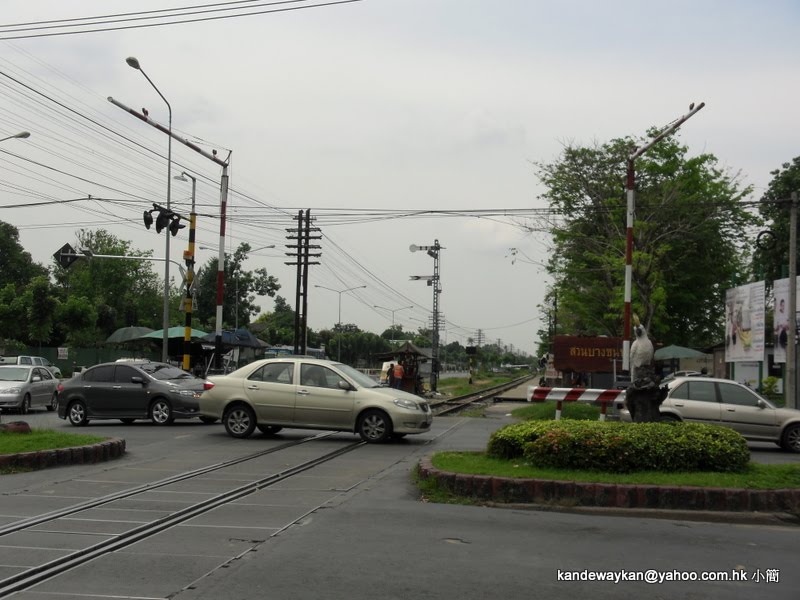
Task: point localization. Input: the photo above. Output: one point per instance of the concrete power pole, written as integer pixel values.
(791, 349)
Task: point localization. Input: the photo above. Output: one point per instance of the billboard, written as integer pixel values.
(584, 354)
(744, 323)
(781, 318)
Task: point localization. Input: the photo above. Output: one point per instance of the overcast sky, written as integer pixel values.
(379, 105)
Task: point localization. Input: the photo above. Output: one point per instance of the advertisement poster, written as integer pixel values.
(781, 319)
(744, 323)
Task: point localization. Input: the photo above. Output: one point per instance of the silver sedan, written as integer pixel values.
(725, 402)
(23, 387)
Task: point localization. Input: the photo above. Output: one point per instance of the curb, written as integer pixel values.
(57, 457)
(575, 495)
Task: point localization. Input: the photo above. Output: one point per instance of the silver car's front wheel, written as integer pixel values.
(791, 438)
(239, 421)
(375, 426)
(161, 412)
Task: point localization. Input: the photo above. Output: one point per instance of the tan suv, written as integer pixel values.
(728, 403)
(308, 393)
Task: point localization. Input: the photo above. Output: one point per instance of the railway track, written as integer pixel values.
(54, 520)
(459, 403)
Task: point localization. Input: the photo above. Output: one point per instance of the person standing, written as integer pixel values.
(390, 375)
(399, 373)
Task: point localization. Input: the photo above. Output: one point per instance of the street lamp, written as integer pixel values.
(134, 64)
(21, 134)
(340, 292)
(392, 311)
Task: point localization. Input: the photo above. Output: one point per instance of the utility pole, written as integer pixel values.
(433, 281)
(791, 346)
(302, 255)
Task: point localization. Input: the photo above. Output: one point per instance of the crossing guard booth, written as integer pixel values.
(416, 363)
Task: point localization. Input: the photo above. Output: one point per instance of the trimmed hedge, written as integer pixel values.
(622, 447)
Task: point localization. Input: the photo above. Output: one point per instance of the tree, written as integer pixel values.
(279, 323)
(241, 288)
(16, 265)
(123, 292)
(771, 261)
(688, 240)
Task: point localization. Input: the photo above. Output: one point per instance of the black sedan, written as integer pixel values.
(131, 390)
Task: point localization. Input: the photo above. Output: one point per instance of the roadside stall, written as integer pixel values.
(416, 364)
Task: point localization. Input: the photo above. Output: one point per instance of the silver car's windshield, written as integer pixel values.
(357, 376)
(14, 374)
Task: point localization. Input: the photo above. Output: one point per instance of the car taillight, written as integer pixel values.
(207, 385)
(59, 388)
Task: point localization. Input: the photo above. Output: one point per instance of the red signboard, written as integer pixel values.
(587, 354)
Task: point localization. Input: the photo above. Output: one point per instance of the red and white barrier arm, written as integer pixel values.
(560, 395)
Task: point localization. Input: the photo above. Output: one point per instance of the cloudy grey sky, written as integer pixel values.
(381, 105)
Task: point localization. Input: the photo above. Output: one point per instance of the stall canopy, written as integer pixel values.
(405, 348)
(241, 338)
(677, 352)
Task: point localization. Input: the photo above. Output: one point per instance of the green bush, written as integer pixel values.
(626, 447)
(509, 442)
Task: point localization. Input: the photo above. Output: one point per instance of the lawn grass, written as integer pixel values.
(757, 476)
(460, 386)
(543, 411)
(43, 439)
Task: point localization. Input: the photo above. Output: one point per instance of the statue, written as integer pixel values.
(644, 395)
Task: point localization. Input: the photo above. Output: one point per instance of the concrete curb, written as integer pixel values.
(508, 490)
(57, 457)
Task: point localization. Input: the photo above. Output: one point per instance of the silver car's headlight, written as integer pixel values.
(409, 404)
(15, 390)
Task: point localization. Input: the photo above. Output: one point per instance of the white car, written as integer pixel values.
(38, 361)
(308, 393)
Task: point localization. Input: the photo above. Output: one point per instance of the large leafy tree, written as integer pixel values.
(16, 265)
(121, 292)
(241, 289)
(689, 228)
(771, 260)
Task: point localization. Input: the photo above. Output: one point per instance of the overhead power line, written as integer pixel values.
(180, 16)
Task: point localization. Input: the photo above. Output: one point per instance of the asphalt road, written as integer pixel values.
(355, 528)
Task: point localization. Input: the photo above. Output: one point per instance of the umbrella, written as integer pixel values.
(241, 338)
(172, 332)
(677, 352)
(126, 334)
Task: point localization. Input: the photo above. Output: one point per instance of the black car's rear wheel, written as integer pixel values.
(239, 421)
(161, 412)
(76, 413)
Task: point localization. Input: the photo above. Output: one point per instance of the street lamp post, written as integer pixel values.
(392, 311)
(21, 135)
(340, 292)
(134, 64)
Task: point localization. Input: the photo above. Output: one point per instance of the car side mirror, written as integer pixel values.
(761, 404)
(343, 385)
(137, 379)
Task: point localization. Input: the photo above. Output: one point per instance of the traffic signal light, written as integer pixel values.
(175, 225)
(166, 219)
